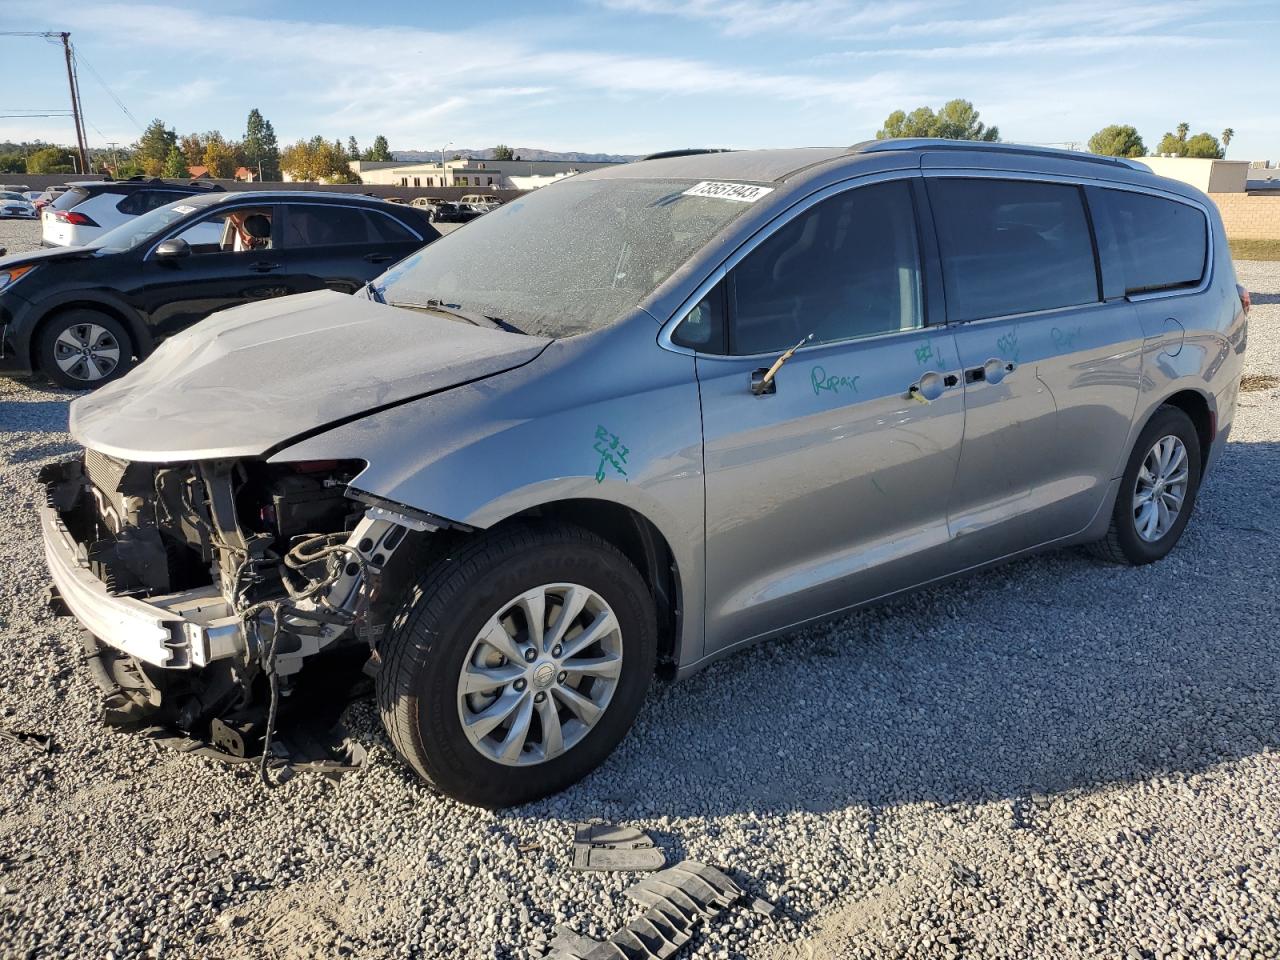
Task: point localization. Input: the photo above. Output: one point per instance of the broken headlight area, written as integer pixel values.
(221, 596)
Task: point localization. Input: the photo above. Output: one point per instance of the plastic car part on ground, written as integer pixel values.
(677, 900)
(602, 846)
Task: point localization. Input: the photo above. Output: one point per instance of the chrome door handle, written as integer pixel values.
(928, 388)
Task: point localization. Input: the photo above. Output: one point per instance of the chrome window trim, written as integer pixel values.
(1210, 251)
(766, 231)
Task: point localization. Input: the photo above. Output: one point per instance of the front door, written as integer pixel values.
(830, 488)
(233, 258)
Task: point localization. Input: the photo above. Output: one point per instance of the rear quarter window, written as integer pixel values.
(1012, 246)
(69, 198)
(1162, 244)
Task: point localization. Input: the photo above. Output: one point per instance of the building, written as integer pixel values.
(469, 173)
(1249, 205)
(201, 172)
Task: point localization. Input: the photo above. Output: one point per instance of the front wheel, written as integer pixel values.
(1157, 492)
(83, 348)
(517, 664)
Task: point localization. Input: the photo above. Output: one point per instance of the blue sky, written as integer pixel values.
(633, 76)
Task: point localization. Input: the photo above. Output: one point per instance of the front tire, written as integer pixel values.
(1157, 492)
(83, 349)
(517, 663)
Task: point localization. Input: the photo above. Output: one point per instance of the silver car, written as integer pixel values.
(695, 403)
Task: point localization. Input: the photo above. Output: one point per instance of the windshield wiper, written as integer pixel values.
(453, 310)
(374, 293)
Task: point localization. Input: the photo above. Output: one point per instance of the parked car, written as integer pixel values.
(481, 202)
(696, 403)
(90, 208)
(82, 315)
(14, 187)
(48, 196)
(33, 195)
(15, 206)
(444, 211)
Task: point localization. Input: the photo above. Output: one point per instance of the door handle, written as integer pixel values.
(929, 387)
(264, 267)
(759, 386)
(993, 371)
(378, 257)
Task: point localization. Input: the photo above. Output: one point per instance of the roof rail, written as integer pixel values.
(1020, 149)
(687, 152)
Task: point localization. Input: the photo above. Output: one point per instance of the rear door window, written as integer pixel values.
(848, 267)
(144, 201)
(1163, 244)
(1012, 246)
(324, 225)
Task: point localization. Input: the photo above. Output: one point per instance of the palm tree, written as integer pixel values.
(1227, 134)
(1183, 129)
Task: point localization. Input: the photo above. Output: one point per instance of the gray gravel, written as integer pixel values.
(1054, 759)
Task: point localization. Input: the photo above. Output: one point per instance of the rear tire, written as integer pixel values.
(443, 671)
(83, 349)
(1163, 472)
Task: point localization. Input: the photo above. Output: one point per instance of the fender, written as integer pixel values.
(91, 297)
(561, 427)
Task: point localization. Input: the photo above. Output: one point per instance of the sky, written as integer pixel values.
(637, 76)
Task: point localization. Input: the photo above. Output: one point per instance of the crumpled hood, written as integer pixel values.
(251, 378)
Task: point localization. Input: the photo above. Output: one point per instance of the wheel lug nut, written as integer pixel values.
(519, 684)
(539, 697)
(555, 651)
(562, 676)
(530, 655)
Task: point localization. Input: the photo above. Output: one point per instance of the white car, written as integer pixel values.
(90, 208)
(14, 206)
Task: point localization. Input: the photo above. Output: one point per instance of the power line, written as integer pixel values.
(80, 58)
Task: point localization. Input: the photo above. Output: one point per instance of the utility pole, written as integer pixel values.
(75, 102)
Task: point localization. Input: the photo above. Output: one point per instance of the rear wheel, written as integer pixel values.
(84, 349)
(517, 664)
(1157, 492)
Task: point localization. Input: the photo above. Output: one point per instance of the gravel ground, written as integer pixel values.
(1055, 759)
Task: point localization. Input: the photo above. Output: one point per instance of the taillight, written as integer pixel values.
(73, 218)
(1245, 301)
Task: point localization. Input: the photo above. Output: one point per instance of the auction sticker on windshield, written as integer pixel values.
(743, 192)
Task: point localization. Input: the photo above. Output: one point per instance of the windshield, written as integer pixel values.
(139, 230)
(569, 258)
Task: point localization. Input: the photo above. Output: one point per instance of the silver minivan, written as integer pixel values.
(633, 421)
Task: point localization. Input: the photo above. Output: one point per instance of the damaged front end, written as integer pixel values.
(212, 591)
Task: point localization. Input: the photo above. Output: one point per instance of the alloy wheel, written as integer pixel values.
(540, 674)
(1161, 488)
(86, 351)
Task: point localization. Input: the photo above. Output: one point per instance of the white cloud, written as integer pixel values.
(749, 17)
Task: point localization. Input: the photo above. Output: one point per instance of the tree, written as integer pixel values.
(1205, 146)
(12, 163)
(261, 151)
(957, 120)
(1202, 145)
(1117, 140)
(51, 160)
(1227, 135)
(317, 160)
(175, 164)
(219, 156)
(353, 149)
(503, 152)
(380, 151)
(1183, 129)
(152, 148)
(192, 147)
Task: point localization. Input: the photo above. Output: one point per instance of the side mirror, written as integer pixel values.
(173, 247)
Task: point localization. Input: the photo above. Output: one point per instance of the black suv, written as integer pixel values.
(83, 315)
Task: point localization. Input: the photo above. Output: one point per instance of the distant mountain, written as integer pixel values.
(524, 153)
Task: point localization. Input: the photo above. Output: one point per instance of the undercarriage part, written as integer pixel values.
(677, 900)
(602, 846)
